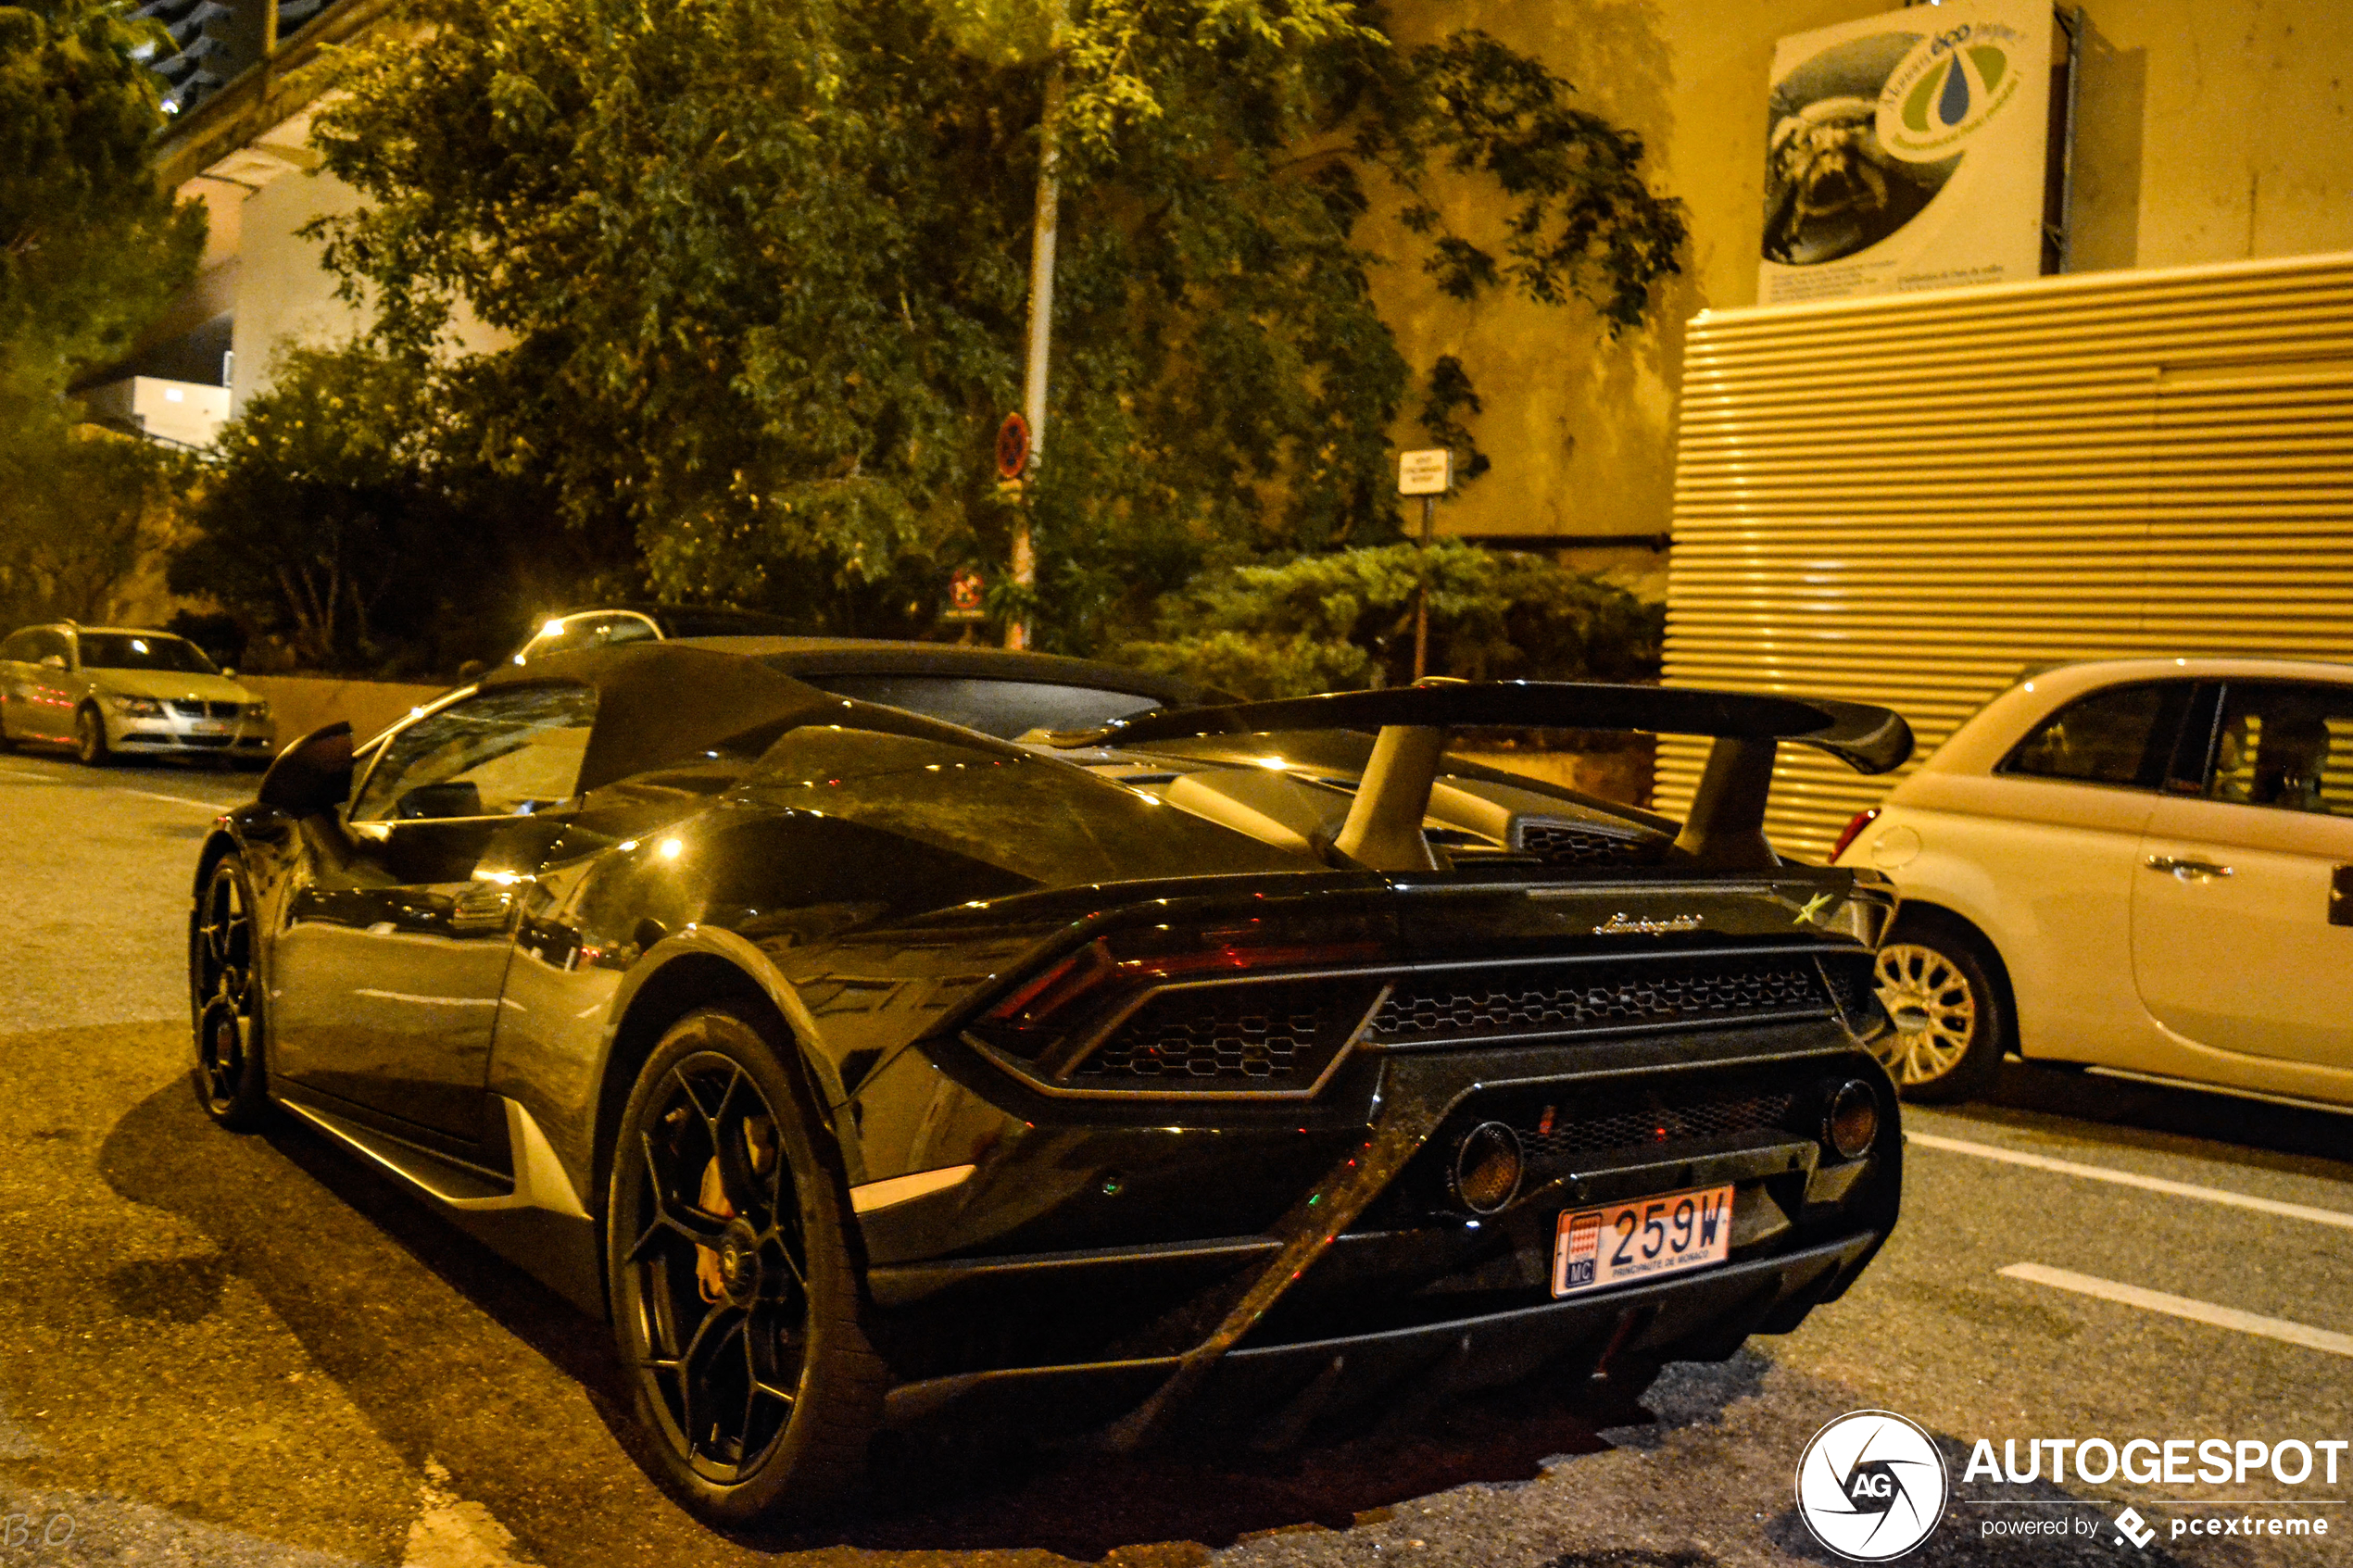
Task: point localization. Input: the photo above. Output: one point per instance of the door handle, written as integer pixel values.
(2183, 869)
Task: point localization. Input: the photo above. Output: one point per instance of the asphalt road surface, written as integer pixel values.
(217, 1349)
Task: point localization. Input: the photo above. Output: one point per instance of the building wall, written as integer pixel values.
(2208, 130)
(284, 299)
(283, 296)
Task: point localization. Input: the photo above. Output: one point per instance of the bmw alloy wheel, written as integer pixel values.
(90, 738)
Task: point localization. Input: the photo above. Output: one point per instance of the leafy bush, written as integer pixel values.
(1346, 620)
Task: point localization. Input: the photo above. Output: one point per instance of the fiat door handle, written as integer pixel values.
(2185, 869)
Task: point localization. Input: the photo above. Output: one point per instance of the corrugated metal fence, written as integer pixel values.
(1908, 500)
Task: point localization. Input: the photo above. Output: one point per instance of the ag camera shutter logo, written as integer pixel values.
(1872, 1486)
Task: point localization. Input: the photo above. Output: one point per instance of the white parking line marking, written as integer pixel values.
(2133, 1179)
(175, 799)
(118, 789)
(2184, 1307)
(426, 1001)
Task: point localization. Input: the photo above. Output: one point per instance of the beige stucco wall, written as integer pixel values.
(283, 296)
(2209, 131)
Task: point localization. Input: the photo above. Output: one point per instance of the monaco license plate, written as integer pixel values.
(1597, 1248)
(210, 727)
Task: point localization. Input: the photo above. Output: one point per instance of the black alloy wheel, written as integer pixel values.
(735, 1298)
(232, 1078)
(90, 738)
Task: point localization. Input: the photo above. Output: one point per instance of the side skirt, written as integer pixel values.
(533, 1219)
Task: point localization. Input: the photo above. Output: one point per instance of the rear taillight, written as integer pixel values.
(1860, 820)
(1260, 999)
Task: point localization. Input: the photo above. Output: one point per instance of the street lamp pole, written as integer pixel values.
(1042, 318)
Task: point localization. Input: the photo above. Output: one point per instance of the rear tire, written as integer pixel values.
(734, 1289)
(90, 738)
(1951, 1015)
(232, 1075)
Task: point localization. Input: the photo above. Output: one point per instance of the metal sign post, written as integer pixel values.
(1429, 474)
(1043, 232)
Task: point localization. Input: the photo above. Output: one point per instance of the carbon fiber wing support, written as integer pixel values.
(1383, 830)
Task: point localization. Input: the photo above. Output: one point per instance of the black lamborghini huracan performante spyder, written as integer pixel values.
(944, 1037)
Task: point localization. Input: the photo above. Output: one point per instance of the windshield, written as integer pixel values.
(1002, 708)
(143, 651)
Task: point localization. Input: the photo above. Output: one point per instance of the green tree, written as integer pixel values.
(762, 265)
(90, 247)
(1345, 620)
(80, 509)
(349, 522)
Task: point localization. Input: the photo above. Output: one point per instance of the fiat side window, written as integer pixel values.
(2122, 736)
(2289, 748)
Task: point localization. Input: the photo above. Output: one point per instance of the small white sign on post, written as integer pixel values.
(1427, 473)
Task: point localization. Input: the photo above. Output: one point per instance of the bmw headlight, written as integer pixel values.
(134, 707)
(257, 710)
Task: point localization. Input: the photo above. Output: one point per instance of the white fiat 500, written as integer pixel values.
(2143, 865)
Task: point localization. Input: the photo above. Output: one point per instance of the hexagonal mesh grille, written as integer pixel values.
(1568, 843)
(1850, 982)
(1466, 1005)
(1613, 1125)
(1272, 1036)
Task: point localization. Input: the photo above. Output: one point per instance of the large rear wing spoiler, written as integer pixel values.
(1384, 826)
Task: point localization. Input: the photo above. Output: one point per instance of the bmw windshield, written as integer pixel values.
(126, 650)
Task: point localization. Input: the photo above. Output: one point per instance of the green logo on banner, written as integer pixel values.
(1945, 90)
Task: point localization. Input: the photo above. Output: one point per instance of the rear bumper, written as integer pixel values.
(1283, 1388)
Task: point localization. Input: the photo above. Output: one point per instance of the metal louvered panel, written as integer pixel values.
(1911, 499)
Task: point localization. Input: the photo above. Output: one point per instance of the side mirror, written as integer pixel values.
(313, 774)
(228, 671)
(53, 661)
(471, 669)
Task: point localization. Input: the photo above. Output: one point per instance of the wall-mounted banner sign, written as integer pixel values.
(1907, 151)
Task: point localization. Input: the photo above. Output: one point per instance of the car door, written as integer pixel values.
(16, 669)
(45, 701)
(2046, 853)
(386, 972)
(2242, 903)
